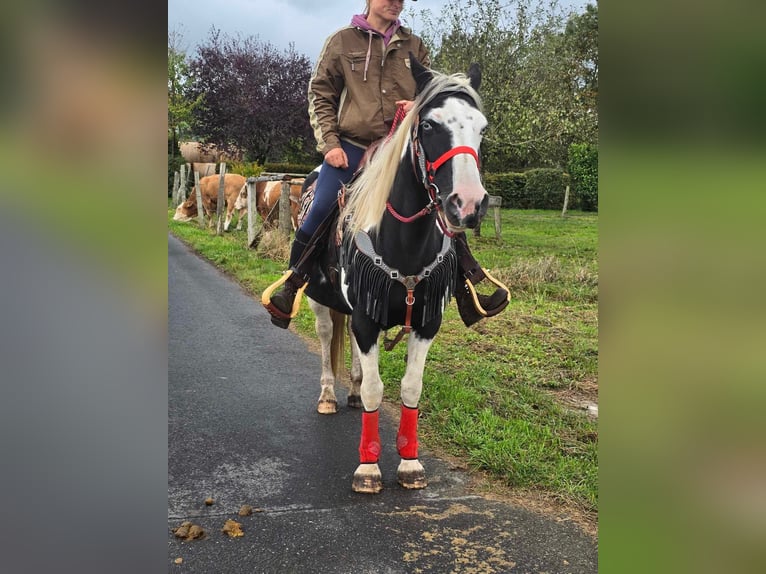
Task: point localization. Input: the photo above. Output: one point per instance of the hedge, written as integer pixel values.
(546, 188)
(288, 168)
(541, 188)
(510, 186)
(583, 167)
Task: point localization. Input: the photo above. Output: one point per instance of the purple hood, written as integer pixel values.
(360, 21)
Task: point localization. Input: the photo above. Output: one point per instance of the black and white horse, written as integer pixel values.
(395, 264)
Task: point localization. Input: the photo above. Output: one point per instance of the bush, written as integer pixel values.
(175, 161)
(583, 169)
(244, 168)
(288, 168)
(510, 186)
(546, 187)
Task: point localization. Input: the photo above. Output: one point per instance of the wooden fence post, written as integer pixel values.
(221, 208)
(253, 233)
(285, 224)
(174, 196)
(182, 186)
(495, 201)
(200, 210)
(566, 202)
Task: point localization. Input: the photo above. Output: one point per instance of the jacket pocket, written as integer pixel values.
(354, 61)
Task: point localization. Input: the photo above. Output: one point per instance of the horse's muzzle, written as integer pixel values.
(465, 212)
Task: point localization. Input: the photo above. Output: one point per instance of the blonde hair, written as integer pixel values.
(370, 191)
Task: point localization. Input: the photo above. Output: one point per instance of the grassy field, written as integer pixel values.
(508, 395)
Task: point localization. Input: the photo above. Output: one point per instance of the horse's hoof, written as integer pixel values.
(411, 475)
(327, 407)
(355, 401)
(367, 479)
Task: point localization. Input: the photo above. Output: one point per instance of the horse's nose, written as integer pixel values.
(467, 212)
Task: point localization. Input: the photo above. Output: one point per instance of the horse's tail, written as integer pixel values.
(337, 350)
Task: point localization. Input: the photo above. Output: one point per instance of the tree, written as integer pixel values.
(536, 73)
(180, 106)
(254, 97)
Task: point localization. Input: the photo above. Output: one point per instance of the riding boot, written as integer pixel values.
(471, 305)
(280, 304)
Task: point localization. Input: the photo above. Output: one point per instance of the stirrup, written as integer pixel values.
(266, 297)
(472, 290)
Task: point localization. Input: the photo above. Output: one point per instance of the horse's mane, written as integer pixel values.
(370, 191)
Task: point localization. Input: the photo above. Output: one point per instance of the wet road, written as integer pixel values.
(243, 429)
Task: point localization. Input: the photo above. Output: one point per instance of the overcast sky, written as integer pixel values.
(306, 23)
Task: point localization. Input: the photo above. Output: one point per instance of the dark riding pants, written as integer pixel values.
(328, 184)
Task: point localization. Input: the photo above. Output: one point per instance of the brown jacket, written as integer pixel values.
(353, 98)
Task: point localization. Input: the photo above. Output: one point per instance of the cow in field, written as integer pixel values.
(267, 194)
(233, 185)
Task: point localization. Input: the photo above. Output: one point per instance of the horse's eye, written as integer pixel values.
(426, 126)
(483, 131)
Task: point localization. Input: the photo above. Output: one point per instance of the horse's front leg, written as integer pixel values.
(327, 404)
(367, 477)
(411, 473)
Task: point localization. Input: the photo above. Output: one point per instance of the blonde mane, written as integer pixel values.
(369, 193)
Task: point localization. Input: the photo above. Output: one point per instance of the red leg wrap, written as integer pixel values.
(369, 446)
(407, 437)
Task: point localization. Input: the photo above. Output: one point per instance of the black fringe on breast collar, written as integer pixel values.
(369, 280)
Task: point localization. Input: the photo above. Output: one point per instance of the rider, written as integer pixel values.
(361, 76)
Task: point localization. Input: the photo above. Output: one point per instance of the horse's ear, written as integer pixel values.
(421, 74)
(474, 75)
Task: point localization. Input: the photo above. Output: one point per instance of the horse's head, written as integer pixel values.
(449, 130)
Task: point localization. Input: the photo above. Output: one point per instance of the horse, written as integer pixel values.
(393, 262)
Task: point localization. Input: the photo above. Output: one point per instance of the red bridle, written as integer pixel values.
(428, 171)
(449, 154)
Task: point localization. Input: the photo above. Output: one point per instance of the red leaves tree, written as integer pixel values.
(254, 98)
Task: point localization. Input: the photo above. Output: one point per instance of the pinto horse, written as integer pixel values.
(393, 262)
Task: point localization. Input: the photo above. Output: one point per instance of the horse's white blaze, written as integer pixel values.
(412, 382)
(372, 384)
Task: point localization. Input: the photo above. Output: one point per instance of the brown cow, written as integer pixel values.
(233, 185)
(267, 194)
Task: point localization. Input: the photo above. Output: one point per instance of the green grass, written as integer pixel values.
(491, 393)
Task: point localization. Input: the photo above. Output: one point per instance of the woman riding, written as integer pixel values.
(361, 77)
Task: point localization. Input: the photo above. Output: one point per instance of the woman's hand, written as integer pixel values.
(406, 103)
(336, 157)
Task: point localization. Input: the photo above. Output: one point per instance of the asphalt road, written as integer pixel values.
(243, 429)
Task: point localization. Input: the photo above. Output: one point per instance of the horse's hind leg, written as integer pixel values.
(354, 396)
(327, 404)
(411, 473)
